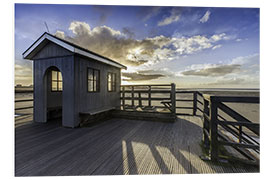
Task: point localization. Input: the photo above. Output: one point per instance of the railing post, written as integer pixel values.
(140, 100)
(194, 103)
(213, 129)
(205, 123)
(149, 96)
(132, 96)
(173, 99)
(123, 98)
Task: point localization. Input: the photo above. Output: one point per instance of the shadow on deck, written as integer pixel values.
(116, 146)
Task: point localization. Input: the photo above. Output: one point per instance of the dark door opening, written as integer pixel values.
(54, 95)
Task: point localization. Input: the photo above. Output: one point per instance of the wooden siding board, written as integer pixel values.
(51, 50)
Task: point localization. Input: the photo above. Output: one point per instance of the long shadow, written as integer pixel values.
(162, 166)
(183, 160)
(131, 159)
(166, 142)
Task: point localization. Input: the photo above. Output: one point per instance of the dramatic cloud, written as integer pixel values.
(205, 17)
(174, 17)
(216, 70)
(122, 47)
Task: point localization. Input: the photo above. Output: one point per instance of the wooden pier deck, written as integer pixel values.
(117, 146)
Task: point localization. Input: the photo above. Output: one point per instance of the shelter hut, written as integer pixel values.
(71, 80)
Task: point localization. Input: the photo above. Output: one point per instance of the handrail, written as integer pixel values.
(212, 120)
(24, 100)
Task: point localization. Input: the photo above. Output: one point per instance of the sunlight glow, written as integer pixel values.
(147, 158)
(169, 159)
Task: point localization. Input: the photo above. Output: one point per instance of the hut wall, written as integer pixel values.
(65, 63)
(88, 101)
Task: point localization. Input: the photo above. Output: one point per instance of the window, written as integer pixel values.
(111, 82)
(57, 84)
(93, 80)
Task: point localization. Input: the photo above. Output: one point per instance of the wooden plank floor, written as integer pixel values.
(116, 146)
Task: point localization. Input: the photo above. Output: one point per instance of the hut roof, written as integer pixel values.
(45, 37)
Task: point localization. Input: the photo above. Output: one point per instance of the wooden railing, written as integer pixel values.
(196, 102)
(23, 100)
(216, 127)
(133, 93)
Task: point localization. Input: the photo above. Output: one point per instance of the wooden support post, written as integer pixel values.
(123, 98)
(173, 98)
(194, 103)
(205, 107)
(213, 129)
(132, 96)
(140, 100)
(205, 124)
(149, 96)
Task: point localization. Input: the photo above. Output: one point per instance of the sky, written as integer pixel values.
(194, 47)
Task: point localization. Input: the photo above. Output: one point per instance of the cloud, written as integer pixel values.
(235, 82)
(23, 74)
(79, 28)
(217, 46)
(60, 34)
(193, 44)
(128, 32)
(174, 17)
(138, 76)
(146, 13)
(205, 17)
(213, 70)
(239, 40)
(246, 60)
(104, 11)
(124, 48)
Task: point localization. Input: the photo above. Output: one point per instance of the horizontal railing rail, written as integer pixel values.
(24, 107)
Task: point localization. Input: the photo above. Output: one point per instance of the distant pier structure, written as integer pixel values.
(70, 79)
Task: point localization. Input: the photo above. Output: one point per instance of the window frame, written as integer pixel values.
(57, 81)
(93, 80)
(113, 83)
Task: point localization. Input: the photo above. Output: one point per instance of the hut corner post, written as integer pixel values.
(173, 98)
(213, 129)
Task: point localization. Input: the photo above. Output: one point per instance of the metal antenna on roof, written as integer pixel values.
(46, 26)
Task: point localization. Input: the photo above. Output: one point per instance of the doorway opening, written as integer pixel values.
(53, 97)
